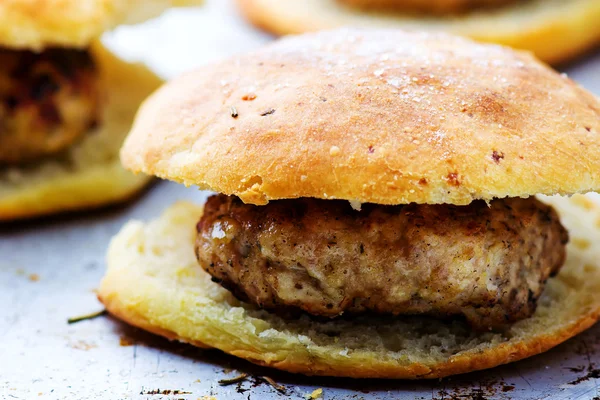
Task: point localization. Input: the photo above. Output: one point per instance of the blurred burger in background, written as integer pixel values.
(555, 31)
(66, 103)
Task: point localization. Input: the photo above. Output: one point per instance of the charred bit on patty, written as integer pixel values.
(48, 101)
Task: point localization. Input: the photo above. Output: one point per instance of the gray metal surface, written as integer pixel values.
(49, 269)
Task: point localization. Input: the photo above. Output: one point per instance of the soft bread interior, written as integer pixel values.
(555, 30)
(89, 174)
(153, 281)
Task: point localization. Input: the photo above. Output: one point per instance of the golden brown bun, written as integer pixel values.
(154, 282)
(426, 6)
(380, 116)
(36, 24)
(89, 174)
(555, 30)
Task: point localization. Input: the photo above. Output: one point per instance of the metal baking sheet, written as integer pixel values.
(49, 269)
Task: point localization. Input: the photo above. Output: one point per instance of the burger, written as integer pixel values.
(556, 31)
(66, 104)
(388, 204)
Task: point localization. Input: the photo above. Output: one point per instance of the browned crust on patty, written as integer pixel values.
(486, 263)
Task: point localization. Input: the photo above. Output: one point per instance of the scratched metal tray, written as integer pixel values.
(49, 269)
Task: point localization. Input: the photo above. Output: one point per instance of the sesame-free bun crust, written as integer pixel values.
(36, 24)
(555, 30)
(381, 116)
(154, 282)
(89, 174)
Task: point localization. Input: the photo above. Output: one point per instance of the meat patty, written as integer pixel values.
(486, 263)
(441, 7)
(47, 101)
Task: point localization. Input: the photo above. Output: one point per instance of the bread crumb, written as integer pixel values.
(316, 394)
(124, 341)
(355, 204)
(581, 244)
(584, 202)
(82, 345)
(334, 150)
(34, 277)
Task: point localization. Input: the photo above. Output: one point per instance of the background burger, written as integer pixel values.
(66, 104)
(556, 31)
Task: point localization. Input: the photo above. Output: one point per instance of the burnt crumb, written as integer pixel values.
(249, 97)
(482, 390)
(452, 179)
(163, 392)
(267, 112)
(497, 156)
(323, 99)
(593, 373)
(587, 128)
(234, 113)
(470, 394)
(371, 150)
(239, 389)
(423, 181)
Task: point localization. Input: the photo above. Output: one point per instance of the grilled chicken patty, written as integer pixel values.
(486, 263)
(427, 6)
(47, 101)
